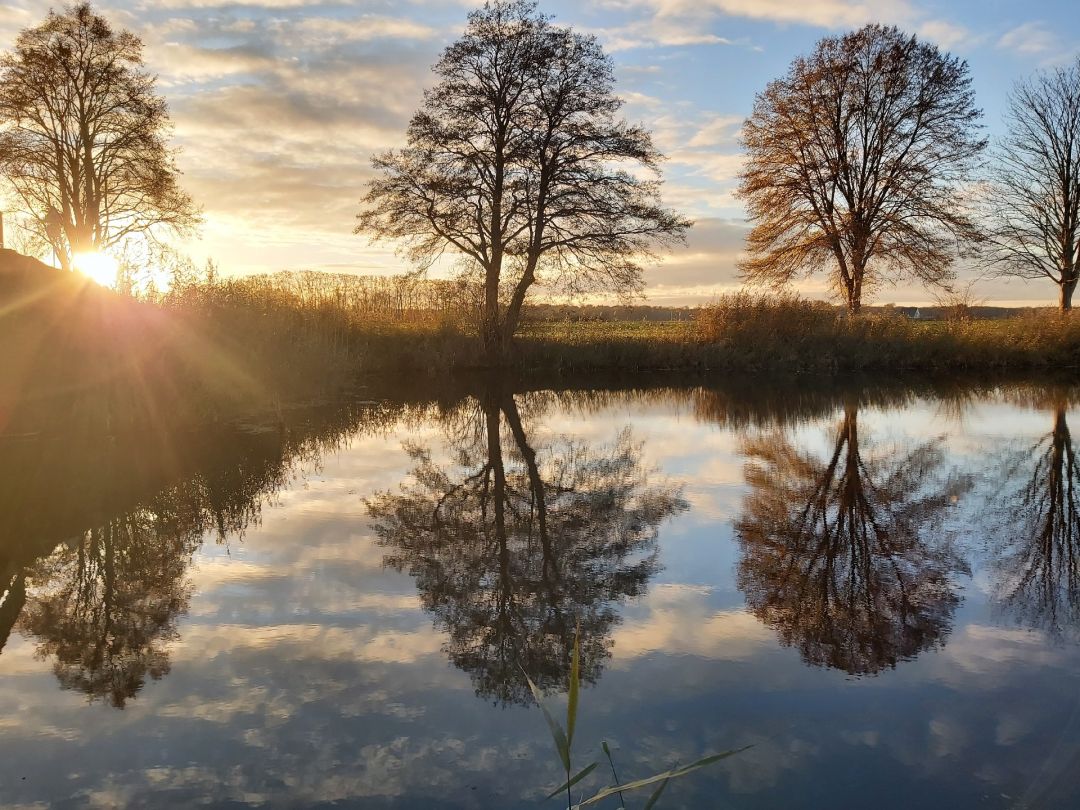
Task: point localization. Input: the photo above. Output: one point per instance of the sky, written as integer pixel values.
(278, 106)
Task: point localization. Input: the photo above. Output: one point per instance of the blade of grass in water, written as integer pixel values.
(660, 777)
(575, 678)
(656, 793)
(557, 733)
(573, 780)
(614, 775)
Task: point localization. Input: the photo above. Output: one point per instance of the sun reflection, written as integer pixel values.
(98, 267)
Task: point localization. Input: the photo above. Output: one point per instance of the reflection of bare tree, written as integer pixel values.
(96, 542)
(511, 546)
(1037, 560)
(105, 605)
(835, 551)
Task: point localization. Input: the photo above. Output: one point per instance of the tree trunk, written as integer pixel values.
(1067, 288)
(517, 301)
(490, 322)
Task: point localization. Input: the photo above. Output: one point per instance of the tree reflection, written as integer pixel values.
(843, 556)
(96, 542)
(1037, 558)
(105, 605)
(513, 544)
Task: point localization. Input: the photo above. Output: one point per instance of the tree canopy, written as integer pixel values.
(856, 159)
(518, 164)
(843, 555)
(83, 136)
(1034, 199)
(515, 548)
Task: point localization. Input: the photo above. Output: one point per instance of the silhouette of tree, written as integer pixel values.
(84, 142)
(854, 161)
(517, 164)
(511, 547)
(1034, 200)
(1037, 526)
(835, 552)
(105, 605)
(95, 542)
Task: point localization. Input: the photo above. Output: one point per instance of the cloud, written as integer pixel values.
(689, 16)
(719, 130)
(1029, 38)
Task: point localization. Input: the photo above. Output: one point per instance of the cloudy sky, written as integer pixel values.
(279, 104)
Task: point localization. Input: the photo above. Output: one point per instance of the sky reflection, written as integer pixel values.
(282, 619)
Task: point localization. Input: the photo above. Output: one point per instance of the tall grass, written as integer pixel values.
(784, 331)
(563, 737)
(209, 346)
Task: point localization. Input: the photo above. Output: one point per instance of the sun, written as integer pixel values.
(100, 268)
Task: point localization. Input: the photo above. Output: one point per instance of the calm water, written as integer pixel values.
(878, 589)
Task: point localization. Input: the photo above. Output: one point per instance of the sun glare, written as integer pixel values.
(98, 267)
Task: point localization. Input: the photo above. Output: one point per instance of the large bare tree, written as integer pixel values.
(518, 164)
(1034, 196)
(83, 136)
(855, 161)
(518, 548)
(844, 555)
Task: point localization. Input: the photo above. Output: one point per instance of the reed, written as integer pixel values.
(563, 737)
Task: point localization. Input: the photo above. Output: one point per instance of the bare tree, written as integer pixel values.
(518, 163)
(844, 556)
(517, 548)
(1034, 516)
(855, 159)
(1034, 196)
(83, 136)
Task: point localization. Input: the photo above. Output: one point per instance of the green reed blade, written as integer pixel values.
(557, 733)
(651, 780)
(575, 684)
(573, 780)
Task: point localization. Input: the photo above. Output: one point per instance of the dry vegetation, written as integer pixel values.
(209, 347)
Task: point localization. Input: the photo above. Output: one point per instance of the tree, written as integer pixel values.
(83, 136)
(1034, 194)
(836, 554)
(513, 548)
(855, 159)
(97, 543)
(517, 164)
(106, 605)
(1036, 529)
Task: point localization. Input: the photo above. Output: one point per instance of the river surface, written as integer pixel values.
(876, 588)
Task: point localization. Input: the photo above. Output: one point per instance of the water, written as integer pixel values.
(876, 588)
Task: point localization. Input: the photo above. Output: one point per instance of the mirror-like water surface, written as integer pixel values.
(877, 589)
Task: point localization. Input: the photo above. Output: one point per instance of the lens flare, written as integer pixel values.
(96, 266)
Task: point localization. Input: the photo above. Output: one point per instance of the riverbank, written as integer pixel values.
(74, 352)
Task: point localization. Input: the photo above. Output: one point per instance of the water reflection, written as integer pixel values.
(105, 605)
(1036, 531)
(515, 543)
(844, 555)
(296, 668)
(98, 538)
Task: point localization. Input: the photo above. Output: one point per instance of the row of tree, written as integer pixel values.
(864, 162)
(865, 158)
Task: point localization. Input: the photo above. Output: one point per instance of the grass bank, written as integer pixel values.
(211, 349)
(288, 334)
